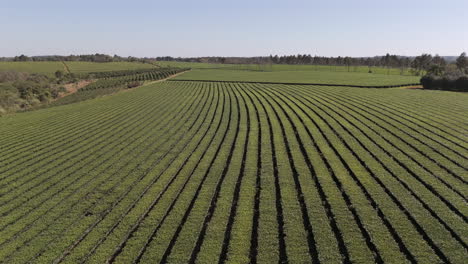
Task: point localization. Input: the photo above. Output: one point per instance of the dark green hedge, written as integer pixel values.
(448, 83)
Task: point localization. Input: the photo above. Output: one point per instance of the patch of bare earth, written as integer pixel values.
(414, 87)
(74, 87)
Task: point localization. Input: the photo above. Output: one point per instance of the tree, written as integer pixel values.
(389, 61)
(347, 61)
(437, 60)
(421, 63)
(462, 63)
(437, 66)
(22, 57)
(370, 62)
(436, 70)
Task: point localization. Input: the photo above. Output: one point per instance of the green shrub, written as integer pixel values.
(448, 82)
(133, 84)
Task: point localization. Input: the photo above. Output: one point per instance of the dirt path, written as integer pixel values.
(65, 66)
(74, 87)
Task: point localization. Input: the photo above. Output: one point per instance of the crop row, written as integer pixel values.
(205, 172)
(110, 74)
(124, 80)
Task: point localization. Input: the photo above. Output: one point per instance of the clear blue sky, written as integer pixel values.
(233, 28)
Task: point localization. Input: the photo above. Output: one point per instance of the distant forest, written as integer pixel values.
(87, 57)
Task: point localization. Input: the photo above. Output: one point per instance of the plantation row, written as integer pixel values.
(85, 95)
(196, 172)
(110, 74)
(110, 85)
(131, 77)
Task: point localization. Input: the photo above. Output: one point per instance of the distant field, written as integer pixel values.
(284, 67)
(193, 172)
(46, 67)
(310, 76)
(296, 73)
(50, 67)
(81, 67)
(193, 65)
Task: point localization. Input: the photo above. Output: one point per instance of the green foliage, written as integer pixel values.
(421, 63)
(22, 57)
(25, 91)
(125, 77)
(436, 70)
(9, 98)
(109, 74)
(37, 90)
(462, 63)
(449, 82)
(443, 77)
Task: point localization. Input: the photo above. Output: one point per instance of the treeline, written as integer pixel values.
(417, 65)
(442, 76)
(89, 58)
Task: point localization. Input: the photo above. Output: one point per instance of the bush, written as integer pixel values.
(133, 84)
(427, 81)
(448, 82)
(461, 84)
(44, 97)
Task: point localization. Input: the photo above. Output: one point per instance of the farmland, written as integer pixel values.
(50, 67)
(20, 91)
(287, 67)
(299, 76)
(110, 82)
(206, 172)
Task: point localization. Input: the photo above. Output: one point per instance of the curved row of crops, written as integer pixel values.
(196, 172)
(130, 77)
(112, 74)
(114, 81)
